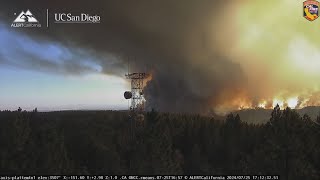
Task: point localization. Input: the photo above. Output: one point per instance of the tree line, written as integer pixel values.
(108, 142)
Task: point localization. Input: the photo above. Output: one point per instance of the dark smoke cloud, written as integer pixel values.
(183, 44)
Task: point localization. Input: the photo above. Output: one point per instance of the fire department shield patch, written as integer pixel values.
(311, 9)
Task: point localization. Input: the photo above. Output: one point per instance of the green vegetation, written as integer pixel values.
(106, 142)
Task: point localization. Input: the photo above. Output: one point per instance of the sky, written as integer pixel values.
(27, 86)
(276, 48)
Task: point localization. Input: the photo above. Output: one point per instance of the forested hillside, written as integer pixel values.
(106, 142)
(260, 115)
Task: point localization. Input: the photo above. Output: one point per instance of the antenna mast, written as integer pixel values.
(136, 94)
(137, 99)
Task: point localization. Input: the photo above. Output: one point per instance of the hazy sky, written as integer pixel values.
(282, 47)
(29, 86)
(277, 48)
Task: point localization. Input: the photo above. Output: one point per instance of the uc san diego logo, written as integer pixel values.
(311, 9)
(25, 19)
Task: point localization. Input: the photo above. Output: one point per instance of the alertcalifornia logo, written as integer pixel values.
(25, 19)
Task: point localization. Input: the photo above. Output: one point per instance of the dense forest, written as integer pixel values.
(108, 142)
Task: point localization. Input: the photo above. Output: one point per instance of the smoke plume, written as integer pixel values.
(180, 42)
(184, 44)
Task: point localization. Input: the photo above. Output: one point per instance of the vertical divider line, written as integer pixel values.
(47, 18)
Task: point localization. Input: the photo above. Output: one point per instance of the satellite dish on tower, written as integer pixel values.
(127, 95)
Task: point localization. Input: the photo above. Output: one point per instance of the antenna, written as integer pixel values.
(128, 65)
(136, 94)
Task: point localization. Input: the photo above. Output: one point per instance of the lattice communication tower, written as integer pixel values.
(136, 94)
